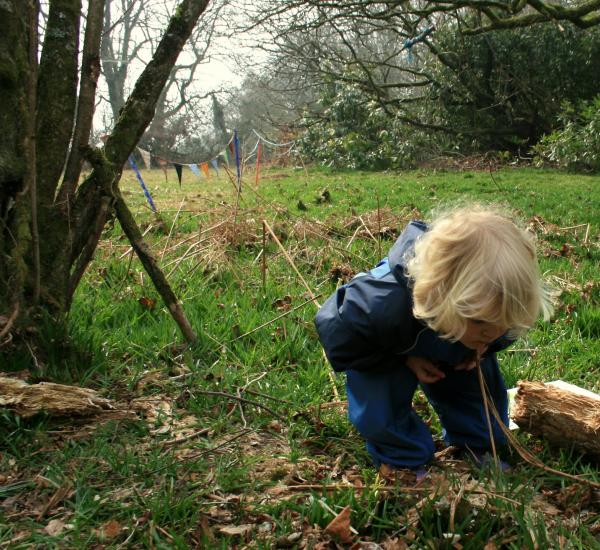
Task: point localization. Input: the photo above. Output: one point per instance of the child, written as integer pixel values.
(464, 287)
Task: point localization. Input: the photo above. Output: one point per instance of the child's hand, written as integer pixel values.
(424, 369)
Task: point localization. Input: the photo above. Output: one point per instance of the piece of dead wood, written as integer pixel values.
(57, 400)
(561, 416)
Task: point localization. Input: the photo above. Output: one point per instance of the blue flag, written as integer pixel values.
(140, 179)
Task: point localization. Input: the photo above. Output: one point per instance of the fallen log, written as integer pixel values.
(57, 400)
(563, 415)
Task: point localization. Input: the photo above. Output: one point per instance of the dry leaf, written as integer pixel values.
(147, 303)
(340, 526)
(110, 530)
(491, 545)
(55, 527)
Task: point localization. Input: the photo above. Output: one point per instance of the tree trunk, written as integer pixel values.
(70, 217)
(15, 118)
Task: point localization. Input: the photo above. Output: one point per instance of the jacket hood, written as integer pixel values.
(403, 248)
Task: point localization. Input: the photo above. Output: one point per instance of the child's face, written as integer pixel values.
(480, 334)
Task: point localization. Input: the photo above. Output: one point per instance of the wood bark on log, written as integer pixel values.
(561, 416)
(57, 400)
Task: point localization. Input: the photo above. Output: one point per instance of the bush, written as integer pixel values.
(354, 131)
(576, 144)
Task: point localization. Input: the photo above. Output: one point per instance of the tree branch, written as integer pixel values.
(136, 239)
(90, 69)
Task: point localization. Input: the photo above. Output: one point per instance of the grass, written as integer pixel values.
(126, 484)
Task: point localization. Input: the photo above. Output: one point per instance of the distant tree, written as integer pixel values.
(436, 66)
(131, 35)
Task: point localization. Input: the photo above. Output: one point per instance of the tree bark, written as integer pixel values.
(15, 118)
(90, 70)
(561, 416)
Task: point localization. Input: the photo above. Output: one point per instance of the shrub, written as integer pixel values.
(576, 144)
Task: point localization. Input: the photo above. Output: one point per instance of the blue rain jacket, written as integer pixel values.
(368, 323)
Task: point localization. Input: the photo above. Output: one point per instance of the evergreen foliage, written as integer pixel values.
(576, 143)
(499, 91)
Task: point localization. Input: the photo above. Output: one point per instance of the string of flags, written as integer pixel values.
(231, 154)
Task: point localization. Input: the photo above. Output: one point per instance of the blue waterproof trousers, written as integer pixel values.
(380, 407)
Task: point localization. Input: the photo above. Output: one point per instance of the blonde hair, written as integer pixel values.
(475, 263)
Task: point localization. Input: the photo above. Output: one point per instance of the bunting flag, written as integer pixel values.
(179, 170)
(236, 146)
(146, 157)
(258, 152)
(140, 179)
(226, 154)
(215, 165)
(204, 167)
(194, 168)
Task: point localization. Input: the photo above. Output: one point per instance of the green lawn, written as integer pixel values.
(209, 470)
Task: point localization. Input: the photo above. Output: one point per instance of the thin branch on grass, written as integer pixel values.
(494, 180)
(267, 396)
(178, 441)
(367, 229)
(241, 400)
(212, 449)
(292, 264)
(284, 314)
(151, 265)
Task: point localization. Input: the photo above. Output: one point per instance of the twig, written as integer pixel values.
(149, 262)
(310, 293)
(353, 237)
(367, 228)
(130, 249)
(212, 449)
(494, 179)
(389, 488)
(177, 441)
(241, 400)
(285, 313)
(453, 506)
(574, 226)
(10, 321)
(292, 264)
(267, 396)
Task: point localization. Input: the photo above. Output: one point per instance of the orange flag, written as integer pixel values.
(204, 168)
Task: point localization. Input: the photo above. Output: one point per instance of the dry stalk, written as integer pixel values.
(487, 409)
(171, 230)
(274, 319)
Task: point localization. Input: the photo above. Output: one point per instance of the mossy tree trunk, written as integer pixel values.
(39, 190)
